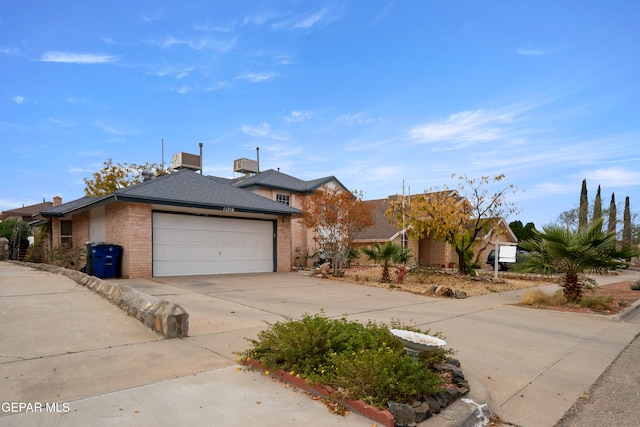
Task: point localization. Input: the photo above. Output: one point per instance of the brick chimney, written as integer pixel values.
(57, 201)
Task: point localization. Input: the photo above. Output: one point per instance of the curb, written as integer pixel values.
(163, 317)
(628, 311)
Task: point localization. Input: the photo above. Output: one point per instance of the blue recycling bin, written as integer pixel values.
(107, 260)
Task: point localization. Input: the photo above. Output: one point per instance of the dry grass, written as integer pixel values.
(537, 297)
(610, 299)
(420, 283)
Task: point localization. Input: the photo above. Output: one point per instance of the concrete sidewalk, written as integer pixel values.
(62, 343)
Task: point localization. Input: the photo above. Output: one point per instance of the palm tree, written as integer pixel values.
(387, 254)
(589, 250)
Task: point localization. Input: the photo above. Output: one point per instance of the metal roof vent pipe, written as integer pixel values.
(146, 175)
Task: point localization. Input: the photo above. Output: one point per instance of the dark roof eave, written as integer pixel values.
(148, 200)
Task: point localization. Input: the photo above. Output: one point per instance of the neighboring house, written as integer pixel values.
(185, 223)
(25, 213)
(426, 251)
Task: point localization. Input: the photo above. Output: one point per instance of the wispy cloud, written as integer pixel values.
(18, 99)
(361, 118)
(196, 43)
(9, 50)
(52, 123)
(530, 50)
(465, 127)
(115, 130)
(298, 116)
(174, 71)
(226, 28)
(381, 15)
(256, 77)
(77, 58)
(614, 177)
(155, 16)
(322, 17)
(263, 130)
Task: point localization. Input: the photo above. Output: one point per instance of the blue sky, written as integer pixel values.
(373, 92)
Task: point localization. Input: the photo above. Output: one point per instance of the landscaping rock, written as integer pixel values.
(460, 294)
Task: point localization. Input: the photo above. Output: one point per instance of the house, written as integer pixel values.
(25, 213)
(426, 251)
(185, 223)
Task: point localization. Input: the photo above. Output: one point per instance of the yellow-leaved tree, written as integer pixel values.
(457, 216)
(115, 176)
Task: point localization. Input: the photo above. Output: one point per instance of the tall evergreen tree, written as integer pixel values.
(611, 227)
(584, 207)
(597, 207)
(626, 230)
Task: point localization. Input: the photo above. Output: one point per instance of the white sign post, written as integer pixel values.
(504, 252)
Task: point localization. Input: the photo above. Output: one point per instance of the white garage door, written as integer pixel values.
(186, 245)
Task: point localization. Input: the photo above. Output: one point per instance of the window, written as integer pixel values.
(283, 198)
(65, 234)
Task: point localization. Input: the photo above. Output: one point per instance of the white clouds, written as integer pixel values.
(530, 50)
(115, 130)
(155, 16)
(263, 130)
(466, 127)
(256, 77)
(361, 118)
(77, 58)
(322, 17)
(18, 99)
(614, 177)
(9, 50)
(298, 116)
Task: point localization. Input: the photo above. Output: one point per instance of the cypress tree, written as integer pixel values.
(626, 230)
(611, 228)
(597, 207)
(584, 207)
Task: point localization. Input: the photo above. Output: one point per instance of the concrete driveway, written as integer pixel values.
(62, 343)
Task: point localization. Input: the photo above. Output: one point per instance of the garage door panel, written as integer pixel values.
(191, 245)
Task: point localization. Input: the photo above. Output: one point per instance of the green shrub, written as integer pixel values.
(596, 303)
(362, 361)
(635, 286)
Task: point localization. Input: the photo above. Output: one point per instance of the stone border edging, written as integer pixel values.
(163, 317)
(382, 417)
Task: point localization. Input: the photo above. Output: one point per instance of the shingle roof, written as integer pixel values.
(188, 188)
(25, 210)
(73, 205)
(184, 188)
(382, 229)
(278, 180)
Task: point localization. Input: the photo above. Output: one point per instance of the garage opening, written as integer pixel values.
(186, 245)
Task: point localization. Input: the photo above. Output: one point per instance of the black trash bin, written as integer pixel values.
(87, 252)
(106, 260)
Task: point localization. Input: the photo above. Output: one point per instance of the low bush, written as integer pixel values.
(635, 286)
(360, 361)
(599, 303)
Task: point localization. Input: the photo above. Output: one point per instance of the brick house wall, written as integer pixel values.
(129, 225)
(283, 255)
